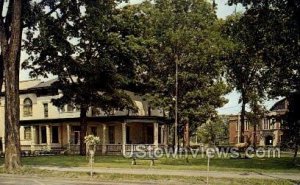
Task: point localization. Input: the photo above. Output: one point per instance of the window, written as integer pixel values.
(75, 134)
(246, 125)
(266, 124)
(111, 134)
(94, 131)
(61, 109)
(27, 107)
(272, 124)
(70, 108)
(43, 134)
(27, 133)
(55, 134)
(46, 113)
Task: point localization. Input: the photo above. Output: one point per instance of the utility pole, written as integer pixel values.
(176, 106)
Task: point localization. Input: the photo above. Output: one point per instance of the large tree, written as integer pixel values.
(246, 71)
(276, 25)
(10, 39)
(85, 45)
(16, 16)
(186, 38)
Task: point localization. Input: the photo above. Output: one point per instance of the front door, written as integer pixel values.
(269, 141)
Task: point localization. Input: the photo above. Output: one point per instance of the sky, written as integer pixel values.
(223, 10)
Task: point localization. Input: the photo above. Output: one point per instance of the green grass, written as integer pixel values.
(282, 164)
(157, 179)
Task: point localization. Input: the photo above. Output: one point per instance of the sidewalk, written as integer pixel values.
(195, 173)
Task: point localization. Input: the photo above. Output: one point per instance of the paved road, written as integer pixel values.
(195, 173)
(22, 180)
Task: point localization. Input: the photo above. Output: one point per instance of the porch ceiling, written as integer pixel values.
(103, 119)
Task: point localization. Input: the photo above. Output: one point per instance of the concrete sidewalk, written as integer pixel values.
(195, 173)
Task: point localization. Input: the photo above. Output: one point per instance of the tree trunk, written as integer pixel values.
(186, 134)
(254, 135)
(295, 153)
(11, 59)
(83, 129)
(243, 112)
(1, 72)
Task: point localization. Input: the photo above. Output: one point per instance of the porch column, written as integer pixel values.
(68, 137)
(104, 129)
(155, 134)
(162, 134)
(33, 138)
(166, 136)
(124, 137)
(48, 133)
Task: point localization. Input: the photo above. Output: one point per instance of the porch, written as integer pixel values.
(115, 136)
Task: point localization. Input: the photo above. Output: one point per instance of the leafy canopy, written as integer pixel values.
(187, 32)
(85, 45)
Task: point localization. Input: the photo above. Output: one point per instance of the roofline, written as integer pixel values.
(284, 99)
(31, 90)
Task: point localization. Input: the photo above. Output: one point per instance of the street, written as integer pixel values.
(22, 180)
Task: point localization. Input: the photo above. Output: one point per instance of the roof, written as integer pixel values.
(31, 85)
(45, 84)
(26, 84)
(279, 105)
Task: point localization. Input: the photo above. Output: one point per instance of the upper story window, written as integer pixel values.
(61, 109)
(70, 108)
(266, 124)
(246, 125)
(27, 107)
(46, 110)
(269, 124)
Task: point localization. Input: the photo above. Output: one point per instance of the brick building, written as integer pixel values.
(268, 131)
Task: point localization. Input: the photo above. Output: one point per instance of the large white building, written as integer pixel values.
(47, 127)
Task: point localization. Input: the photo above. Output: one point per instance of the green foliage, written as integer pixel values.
(84, 44)
(276, 26)
(214, 131)
(246, 70)
(291, 137)
(91, 140)
(189, 32)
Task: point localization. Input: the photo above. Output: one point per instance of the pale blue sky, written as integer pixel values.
(223, 10)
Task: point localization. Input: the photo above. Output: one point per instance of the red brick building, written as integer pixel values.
(268, 130)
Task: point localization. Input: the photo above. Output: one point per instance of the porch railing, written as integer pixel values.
(75, 148)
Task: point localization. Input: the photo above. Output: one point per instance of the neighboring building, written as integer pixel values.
(269, 131)
(46, 127)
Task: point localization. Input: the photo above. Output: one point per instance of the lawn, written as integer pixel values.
(282, 164)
